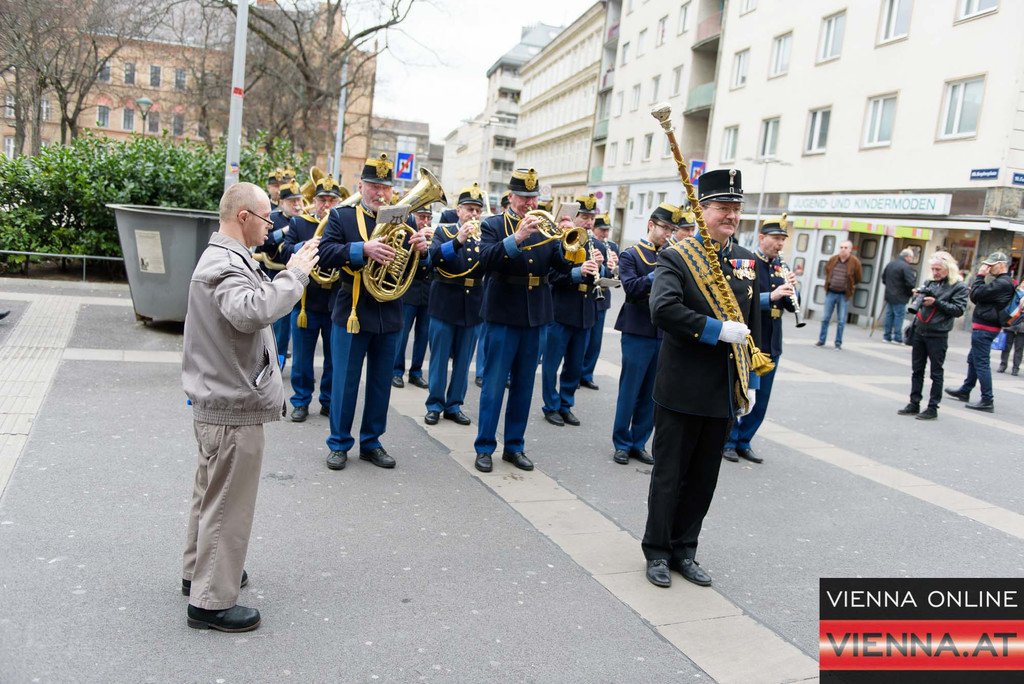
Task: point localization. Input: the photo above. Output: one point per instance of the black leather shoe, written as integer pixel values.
(483, 463)
(377, 457)
(658, 574)
(479, 382)
(299, 414)
(642, 456)
(621, 456)
(958, 394)
(396, 381)
(554, 419)
(518, 459)
(731, 455)
(910, 409)
(186, 585)
(589, 384)
(570, 418)
(233, 619)
(691, 570)
(1002, 368)
(749, 455)
(336, 460)
(324, 411)
(432, 417)
(930, 413)
(460, 418)
(418, 381)
(982, 405)
(819, 344)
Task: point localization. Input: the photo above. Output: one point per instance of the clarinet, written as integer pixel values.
(598, 290)
(794, 298)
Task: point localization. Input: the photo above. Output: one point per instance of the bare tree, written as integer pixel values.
(26, 30)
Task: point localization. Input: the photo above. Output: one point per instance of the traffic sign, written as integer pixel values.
(696, 169)
(404, 167)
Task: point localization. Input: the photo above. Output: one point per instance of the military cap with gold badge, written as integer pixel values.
(775, 226)
(546, 203)
(687, 219)
(471, 195)
(276, 176)
(287, 174)
(379, 170)
(588, 203)
(290, 189)
(667, 213)
(524, 182)
(328, 186)
(602, 221)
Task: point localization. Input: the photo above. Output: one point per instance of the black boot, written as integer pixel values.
(911, 409)
(930, 413)
(1002, 368)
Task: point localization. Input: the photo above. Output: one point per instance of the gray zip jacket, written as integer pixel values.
(229, 367)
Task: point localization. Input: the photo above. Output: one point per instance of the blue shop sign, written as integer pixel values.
(984, 174)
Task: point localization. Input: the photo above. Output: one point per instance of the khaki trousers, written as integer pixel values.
(223, 501)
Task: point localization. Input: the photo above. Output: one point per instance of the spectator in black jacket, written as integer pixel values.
(943, 299)
(991, 291)
(899, 279)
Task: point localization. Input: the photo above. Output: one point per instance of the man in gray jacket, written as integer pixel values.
(230, 374)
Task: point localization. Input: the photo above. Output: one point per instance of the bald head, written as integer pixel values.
(244, 211)
(238, 197)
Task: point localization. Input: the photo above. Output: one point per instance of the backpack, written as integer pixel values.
(1013, 313)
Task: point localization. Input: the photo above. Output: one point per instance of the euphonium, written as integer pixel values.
(387, 282)
(308, 189)
(573, 239)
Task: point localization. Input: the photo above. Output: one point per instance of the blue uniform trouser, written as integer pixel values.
(508, 349)
(979, 369)
(593, 351)
(419, 341)
(570, 343)
(282, 328)
(634, 408)
(455, 342)
(349, 350)
(318, 325)
(834, 301)
(480, 355)
(743, 429)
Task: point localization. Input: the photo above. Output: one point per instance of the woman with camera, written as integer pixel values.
(936, 305)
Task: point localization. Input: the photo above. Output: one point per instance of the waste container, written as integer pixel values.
(161, 247)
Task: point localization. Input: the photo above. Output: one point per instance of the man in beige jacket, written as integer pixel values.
(230, 374)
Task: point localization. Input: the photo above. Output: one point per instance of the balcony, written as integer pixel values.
(709, 30)
(498, 177)
(601, 129)
(608, 80)
(700, 98)
(596, 175)
(612, 35)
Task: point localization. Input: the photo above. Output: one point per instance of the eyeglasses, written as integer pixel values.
(730, 209)
(267, 221)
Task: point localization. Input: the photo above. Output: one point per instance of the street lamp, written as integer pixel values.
(765, 161)
(144, 104)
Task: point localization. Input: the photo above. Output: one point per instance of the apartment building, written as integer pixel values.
(392, 136)
(891, 123)
(557, 107)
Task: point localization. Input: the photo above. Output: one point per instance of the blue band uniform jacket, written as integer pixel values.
(516, 290)
(572, 296)
(636, 265)
(769, 278)
(303, 228)
(272, 246)
(456, 286)
(696, 372)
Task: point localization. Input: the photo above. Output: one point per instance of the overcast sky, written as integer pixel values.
(436, 67)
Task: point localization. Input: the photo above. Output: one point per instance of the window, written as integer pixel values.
(625, 54)
(831, 43)
(179, 79)
(655, 88)
(627, 153)
(659, 33)
(739, 68)
(504, 142)
(662, 197)
(769, 138)
(104, 75)
(817, 131)
(178, 125)
(9, 147)
(677, 79)
(962, 107)
(613, 154)
(684, 18)
(154, 122)
(128, 119)
(619, 97)
(9, 106)
(44, 109)
(129, 73)
(780, 55)
(103, 116)
(895, 19)
(880, 119)
(154, 76)
(635, 99)
(747, 6)
(971, 8)
(499, 165)
(729, 137)
(648, 144)
(641, 42)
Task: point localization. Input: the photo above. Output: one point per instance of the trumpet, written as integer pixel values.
(573, 239)
(795, 297)
(475, 232)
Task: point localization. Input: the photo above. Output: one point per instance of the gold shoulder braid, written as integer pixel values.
(714, 286)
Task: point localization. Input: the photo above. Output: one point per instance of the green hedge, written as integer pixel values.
(56, 202)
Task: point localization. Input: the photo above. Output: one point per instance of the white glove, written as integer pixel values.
(733, 332)
(751, 400)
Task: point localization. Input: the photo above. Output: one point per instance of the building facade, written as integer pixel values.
(811, 106)
(557, 109)
(395, 136)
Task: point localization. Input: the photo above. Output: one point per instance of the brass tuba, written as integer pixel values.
(308, 189)
(387, 282)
